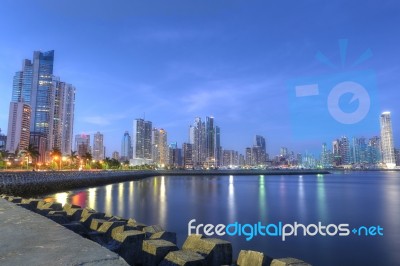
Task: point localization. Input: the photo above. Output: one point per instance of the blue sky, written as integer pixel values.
(175, 60)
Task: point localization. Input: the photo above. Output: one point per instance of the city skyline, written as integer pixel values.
(173, 70)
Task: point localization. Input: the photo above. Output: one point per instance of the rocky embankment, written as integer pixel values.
(140, 244)
(28, 184)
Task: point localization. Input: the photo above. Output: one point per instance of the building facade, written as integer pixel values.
(82, 144)
(126, 147)
(387, 143)
(142, 142)
(98, 147)
(160, 147)
(52, 102)
(18, 127)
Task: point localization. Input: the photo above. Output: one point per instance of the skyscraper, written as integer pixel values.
(210, 141)
(187, 155)
(359, 153)
(374, 151)
(387, 143)
(259, 141)
(18, 127)
(142, 142)
(218, 148)
(62, 105)
(98, 147)
(126, 147)
(82, 144)
(197, 137)
(160, 147)
(51, 101)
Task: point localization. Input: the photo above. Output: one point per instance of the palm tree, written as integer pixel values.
(87, 157)
(30, 152)
(72, 157)
(56, 155)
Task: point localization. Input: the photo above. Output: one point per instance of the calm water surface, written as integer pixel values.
(356, 198)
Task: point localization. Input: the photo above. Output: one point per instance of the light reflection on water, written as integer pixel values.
(367, 198)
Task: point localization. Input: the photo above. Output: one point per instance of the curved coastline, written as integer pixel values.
(28, 184)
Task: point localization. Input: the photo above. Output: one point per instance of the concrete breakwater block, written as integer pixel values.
(74, 214)
(130, 246)
(153, 229)
(14, 199)
(216, 251)
(288, 261)
(58, 212)
(183, 258)
(31, 204)
(154, 251)
(107, 227)
(253, 258)
(96, 223)
(77, 227)
(120, 229)
(134, 223)
(69, 206)
(117, 218)
(51, 205)
(58, 218)
(168, 236)
(87, 217)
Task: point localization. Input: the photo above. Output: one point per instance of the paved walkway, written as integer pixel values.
(27, 238)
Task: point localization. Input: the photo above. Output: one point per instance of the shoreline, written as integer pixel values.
(36, 183)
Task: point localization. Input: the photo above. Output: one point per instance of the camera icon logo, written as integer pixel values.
(337, 104)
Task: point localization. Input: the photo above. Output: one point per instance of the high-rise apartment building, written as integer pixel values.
(387, 143)
(197, 137)
(98, 147)
(51, 101)
(62, 107)
(325, 156)
(175, 155)
(3, 140)
(142, 142)
(115, 155)
(18, 127)
(374, 151)
(160, 147)
(341, 151)
(39, 141)
(230, 158)
(187, 155)
(126, 147)
(210, 141)
(359, 151)
(218, 148)
(82, 144)
(259, 141)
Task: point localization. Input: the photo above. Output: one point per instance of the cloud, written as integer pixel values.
(97, 120)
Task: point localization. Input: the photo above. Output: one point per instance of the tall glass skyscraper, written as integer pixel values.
(98, 146)
(387, 140)
(52, 102)
(126, 147)
(142, 142)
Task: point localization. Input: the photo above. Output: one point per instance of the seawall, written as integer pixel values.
(38, 236)
(28, 184)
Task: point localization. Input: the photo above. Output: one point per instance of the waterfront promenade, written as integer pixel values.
(28, 238)
(27, 184)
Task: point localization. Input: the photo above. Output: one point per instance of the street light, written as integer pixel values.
(56, 158)
(64, 159)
